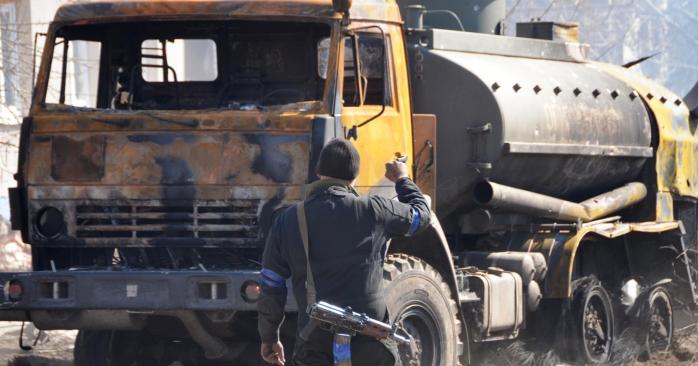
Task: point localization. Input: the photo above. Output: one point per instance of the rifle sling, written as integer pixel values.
(311, 294)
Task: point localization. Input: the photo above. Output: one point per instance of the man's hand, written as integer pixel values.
(273, 353)
(395, 169)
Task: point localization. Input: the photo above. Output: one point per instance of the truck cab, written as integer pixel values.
(162, 138)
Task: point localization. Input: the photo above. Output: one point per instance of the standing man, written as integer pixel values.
(347, 236)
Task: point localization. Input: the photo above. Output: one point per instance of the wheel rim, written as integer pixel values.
(597, 327)
(660, 329)
(420, 323)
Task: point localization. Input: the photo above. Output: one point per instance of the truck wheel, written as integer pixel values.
(92, 348)
(419, 302)
(106, 348)
(659, 322)
(592, 322)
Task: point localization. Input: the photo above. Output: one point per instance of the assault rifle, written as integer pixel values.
(337, 319)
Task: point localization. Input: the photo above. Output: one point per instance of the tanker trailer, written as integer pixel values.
(576, 175)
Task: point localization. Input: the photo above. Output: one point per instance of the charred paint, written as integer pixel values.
(110, 10)
(161, 138)
(677, 153)
(267, 212)
(174, 170)
(77, 160)
(272, 161)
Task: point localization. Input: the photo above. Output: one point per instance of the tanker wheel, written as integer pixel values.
(110, 348)
(659, 322)
(592, 322)
(420, 303)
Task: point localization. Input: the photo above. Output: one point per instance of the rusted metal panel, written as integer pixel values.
(291, 118)
(252, 150)
(109, 10)
(183, 159)
(77, 160)
(677, 153)
(201, 179)
(96, 11)
(664, 207)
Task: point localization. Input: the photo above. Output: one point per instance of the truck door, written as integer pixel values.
(371, 107)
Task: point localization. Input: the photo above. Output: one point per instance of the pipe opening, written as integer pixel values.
(483, 192)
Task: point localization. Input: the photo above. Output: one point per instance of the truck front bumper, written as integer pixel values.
(126, 292)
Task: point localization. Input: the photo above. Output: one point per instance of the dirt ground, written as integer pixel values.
(55, 348)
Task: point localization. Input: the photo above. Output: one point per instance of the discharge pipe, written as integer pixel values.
(539, 205)
(214, 348)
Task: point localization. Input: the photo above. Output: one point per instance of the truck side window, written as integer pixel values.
(373, 70)
(187, 59)
(81, 73)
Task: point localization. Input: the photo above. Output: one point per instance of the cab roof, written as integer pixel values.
(99, 11)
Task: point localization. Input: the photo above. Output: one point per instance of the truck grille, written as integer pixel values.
(214, 222)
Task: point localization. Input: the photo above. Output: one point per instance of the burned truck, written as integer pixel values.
(151, 168)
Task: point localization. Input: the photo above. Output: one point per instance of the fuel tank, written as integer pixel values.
(527, 113)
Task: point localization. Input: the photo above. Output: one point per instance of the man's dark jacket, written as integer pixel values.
(348, 236)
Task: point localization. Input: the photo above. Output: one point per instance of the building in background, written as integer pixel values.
(20, 20)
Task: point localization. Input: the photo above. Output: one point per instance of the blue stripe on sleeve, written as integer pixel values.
(272, 279)
(414, 225)
(341, 352)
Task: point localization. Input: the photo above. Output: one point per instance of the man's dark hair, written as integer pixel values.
(339, 159)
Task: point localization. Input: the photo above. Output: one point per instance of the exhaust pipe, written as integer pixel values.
(214, 348)
(535, 204)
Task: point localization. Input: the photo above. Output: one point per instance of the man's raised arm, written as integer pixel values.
(411, 213)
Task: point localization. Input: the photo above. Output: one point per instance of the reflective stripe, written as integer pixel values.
(272, 279)
(414, 225)
(342, 352)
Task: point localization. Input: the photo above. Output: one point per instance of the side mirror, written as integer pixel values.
(341, 6)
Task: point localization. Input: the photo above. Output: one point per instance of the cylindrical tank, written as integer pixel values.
(482, 16)
(525, 113)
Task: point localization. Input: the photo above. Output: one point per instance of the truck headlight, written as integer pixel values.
(50, 222)
(250, 291)
(14, 290)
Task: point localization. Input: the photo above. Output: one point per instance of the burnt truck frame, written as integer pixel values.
(561, 187)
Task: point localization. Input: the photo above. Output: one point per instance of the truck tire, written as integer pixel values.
(108, 348)
(592, 322)
(420, 302)
(92, 348)
(658, 322)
